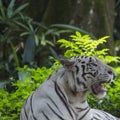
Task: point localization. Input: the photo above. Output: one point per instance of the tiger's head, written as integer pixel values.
(87, 74)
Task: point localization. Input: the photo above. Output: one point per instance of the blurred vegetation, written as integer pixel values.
(25, 41)
(29, 54)
(31, 78)
(11, 102)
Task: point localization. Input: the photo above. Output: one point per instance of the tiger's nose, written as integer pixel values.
(110, 72)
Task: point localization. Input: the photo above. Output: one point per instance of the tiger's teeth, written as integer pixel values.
(103, 87)
(99, 88)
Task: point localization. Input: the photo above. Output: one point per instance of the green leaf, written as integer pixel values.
(10, 8)
(31, 28)
(2, 9)
(36, 40)
(49, 31)
(43, 42)
(50, 43)
(62, 31)
(14, 54)
(22, 25)
(29, 50)
(53, 52)
(78, 34)
(19, 9)
(73, 28)
(25, 33)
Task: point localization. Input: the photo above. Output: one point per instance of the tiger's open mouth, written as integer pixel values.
(99, 87)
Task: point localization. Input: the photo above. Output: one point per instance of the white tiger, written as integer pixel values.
(63, 95)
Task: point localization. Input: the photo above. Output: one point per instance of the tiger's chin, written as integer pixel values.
(99, 90)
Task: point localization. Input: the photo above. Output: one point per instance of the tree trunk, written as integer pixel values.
(59, 11)
(95, 16)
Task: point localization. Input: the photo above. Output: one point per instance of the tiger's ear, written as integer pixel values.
(67, 63)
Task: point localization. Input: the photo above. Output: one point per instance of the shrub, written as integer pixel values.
(31, 78)
(11, 103)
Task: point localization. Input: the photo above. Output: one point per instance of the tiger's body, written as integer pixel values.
(63, 95)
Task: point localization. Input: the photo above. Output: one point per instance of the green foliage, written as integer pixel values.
(25, 41)
(11, 103)
(85, 45)
(30, 78)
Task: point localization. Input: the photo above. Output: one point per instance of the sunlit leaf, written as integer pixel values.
(14, 54)
(36, 40)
